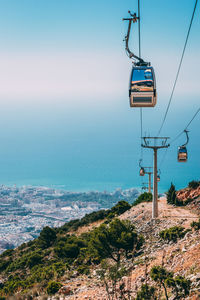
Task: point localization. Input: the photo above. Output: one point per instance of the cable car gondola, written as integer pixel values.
(142, 91)
(158, 176)
(142, 171)
(182, 150)
(142, 88)
(182, 154)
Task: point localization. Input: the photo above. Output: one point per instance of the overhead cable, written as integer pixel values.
(165, 153)
(139, 37)
(179, 68)
(198, 110)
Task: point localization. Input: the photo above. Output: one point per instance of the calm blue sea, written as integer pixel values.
(90, 148)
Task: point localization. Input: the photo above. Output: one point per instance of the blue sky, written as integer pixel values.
(64, 89)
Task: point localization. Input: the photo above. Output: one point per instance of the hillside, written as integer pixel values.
(130, 249)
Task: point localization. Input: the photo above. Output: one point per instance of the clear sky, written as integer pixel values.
(64, 75)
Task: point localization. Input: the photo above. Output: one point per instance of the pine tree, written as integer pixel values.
(171, 194)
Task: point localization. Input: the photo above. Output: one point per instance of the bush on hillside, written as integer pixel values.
(172, 199)
(179, 285)
(8, 252)
(120, 208)
(70, 247)
(83, 269)
(146, 292)
(34, 260)
(111, 275)
(4, 264)
(194, 184)
(47, 237)
(195, 225)
(173, 233)
(53, 287)
(110, 241)
(171, 194)
(116, 210)
(145, 197)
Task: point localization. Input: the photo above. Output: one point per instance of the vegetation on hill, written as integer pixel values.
(172, 198)
(196, 225)
(145, 197)
(57, 252)
(194, 184)
(173, 233)
(179, 286)
(115, 211)
(113, 248)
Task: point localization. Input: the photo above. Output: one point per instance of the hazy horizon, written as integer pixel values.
(65, 115)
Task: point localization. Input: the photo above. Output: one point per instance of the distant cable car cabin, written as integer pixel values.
(142, 91)
(182, 154)
(142, 171)
(158, 176)
(182, 150)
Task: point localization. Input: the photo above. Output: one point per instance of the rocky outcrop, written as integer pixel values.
(188, 193)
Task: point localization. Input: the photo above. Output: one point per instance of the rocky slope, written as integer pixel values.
(181, 257)
(190, 193)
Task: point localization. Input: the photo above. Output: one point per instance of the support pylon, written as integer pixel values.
(148, 171)
(155, 143)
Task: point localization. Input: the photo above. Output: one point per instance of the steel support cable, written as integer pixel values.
(179, 68)
(139, 29)
(196, 113)
(194, 116)
(163, 158)
(139, 38)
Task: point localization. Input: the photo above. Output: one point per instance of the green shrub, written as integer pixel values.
(71, 250)
(70, 247)
(8, 252)
(83, 269)
(195, 225)
(180, 286)
(171, 195)
(146, 293)
(145, 197)
(160, 275)
(173, 233)
(120, 208)
(47, 237)
(194, 184)
(53, 287)
(4, 264)
(116, 210)
(111, 275)
(188, 201)
(110, 241)
(34, 259)
(22, 246)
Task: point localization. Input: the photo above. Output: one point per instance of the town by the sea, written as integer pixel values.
(24, 211)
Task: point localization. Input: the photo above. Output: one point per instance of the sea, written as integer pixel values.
(97, 147)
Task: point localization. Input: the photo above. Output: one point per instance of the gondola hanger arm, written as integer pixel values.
(131, 20)
(187, 136)
(140, 161)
